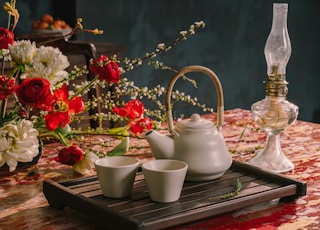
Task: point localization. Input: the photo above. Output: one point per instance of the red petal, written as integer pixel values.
(70, 155)
(62, 94)
(135, 127)
(76, 105)
(135, 109)
(53, 120)
(6, 38)
(140, 125)
(120, 111)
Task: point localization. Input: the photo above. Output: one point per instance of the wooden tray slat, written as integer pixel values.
(198, 199)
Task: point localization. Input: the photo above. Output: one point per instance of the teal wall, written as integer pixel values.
(232, 43)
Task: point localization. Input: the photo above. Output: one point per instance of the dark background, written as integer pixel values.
(231, 44)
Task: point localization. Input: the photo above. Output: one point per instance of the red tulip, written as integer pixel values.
(133, 111)
(6, 38)
(62, 108)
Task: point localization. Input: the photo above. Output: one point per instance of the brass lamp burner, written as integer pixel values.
(276, 85)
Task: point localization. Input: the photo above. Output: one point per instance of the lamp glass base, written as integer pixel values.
(272, 158)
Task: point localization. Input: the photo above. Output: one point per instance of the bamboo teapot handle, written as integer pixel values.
(214, 78)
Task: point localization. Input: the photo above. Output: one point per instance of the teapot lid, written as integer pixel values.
(195, 122)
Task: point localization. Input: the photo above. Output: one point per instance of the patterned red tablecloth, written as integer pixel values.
(23, 205)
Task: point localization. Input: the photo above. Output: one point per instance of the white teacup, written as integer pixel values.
(164, 179)
(116, 175)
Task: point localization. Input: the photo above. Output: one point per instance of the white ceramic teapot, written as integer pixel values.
(196, 141)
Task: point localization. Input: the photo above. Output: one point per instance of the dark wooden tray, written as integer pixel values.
(197, 201)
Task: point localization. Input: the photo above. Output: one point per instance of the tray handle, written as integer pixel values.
(214, 78)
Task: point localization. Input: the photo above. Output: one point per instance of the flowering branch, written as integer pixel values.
(85, 88)
(46, 103)
(131, 63)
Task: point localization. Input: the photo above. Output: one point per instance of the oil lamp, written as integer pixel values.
(274, 113)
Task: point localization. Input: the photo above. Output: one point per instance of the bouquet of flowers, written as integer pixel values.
(43, 103)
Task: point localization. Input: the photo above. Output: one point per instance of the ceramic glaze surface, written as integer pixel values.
(164, 179)
(199, 144)
(206, 154)
(116, 175)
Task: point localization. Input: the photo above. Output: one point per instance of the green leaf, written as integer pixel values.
(121, 148)
(118, 131)
(64, 131)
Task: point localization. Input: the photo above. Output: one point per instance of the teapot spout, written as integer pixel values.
(162, 146)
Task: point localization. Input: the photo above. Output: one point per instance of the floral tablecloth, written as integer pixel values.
(23, 205)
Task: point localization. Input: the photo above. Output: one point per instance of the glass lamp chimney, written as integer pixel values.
(277, 52)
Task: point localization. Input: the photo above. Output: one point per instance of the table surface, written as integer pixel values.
(24, 206)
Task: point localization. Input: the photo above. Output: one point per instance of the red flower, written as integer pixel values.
(35, 92)
(62, 109)
(70, 155)
(106, 69)
(53, 120)
(122, 112)
(6, 38)
(140, 125)
(6, 87)
(131, 110)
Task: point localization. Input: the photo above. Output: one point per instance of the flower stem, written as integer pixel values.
(2, 66)
(61, 138)
(3, 108)
(56, 135)
(15, 72)
(9, 17)
(183, 36)
(84, 88)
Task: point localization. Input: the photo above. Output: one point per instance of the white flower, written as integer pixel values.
(85, 166)
(22, 51)
(18, 143)
(48, 62)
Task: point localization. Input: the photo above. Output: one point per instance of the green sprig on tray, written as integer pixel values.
(236, 191)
